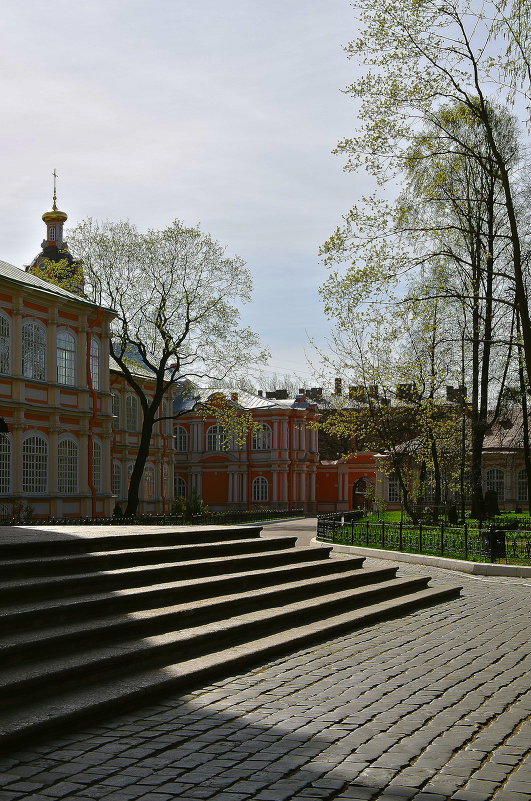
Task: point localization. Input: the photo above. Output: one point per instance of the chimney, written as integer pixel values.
(337, 386)
(260, 393)
(234, 397)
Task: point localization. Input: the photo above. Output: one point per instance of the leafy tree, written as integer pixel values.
(176, 295)
(418, 56)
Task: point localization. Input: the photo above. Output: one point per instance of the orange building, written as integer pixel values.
(277, 465)
(68, 422)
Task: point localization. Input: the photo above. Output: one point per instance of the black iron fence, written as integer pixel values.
(458, 542)
(230, 517)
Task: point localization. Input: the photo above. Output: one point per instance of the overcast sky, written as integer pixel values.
(223, 113)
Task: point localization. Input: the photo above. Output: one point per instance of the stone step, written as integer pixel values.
(89, 703)
(55, 543)
(132, 557)
(21, 647)
(26, 617)
(93, 659)
(19, 590)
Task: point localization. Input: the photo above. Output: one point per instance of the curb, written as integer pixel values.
(459, 565)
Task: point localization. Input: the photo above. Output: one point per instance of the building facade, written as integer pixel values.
(276, 464)
(69, 424)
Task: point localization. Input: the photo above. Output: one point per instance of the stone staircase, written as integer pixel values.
(95, 625)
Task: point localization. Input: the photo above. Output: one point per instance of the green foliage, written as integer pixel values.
(62, 273)
(188, 507)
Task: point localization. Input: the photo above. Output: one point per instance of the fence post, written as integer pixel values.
(466, 540)
(420, 536)
(383, 533)
(352, 532)
(400, 536)
(367, 533)
(442, 537)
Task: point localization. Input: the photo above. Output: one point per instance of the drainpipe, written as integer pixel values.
(249, 486)
(94, 412)
(162, 486)
(290, 467)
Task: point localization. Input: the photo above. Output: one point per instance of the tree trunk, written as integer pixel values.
(138, 469)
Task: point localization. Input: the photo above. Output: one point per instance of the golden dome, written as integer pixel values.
(54, 215)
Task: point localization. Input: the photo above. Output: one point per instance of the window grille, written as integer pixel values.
(179, 487)
(116, 409)
(33, 351)
(215, 439)
(95, 362)
(521, 484)
(393, 488)
(117, 479)
(67, 467)
(495, 480)
(66, 357)
(96, 465)
(261, 438)
(5, 464)
(149, 483)
(131, 413)
(4, 345)
(34, 464)
(260, 489)
(181, 439)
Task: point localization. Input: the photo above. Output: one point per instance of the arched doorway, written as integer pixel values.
(359, 493)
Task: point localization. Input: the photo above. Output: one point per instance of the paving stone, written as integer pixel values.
(421, 707)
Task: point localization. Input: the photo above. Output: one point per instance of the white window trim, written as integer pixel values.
(5, 319)
(8, 439)
(260, 488)
(66, 330)
(39, 326)
(28, 435)
(68, 438)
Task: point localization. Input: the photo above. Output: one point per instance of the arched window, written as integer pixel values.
(33, 350)
(393, 488)
(521, 485)
(131, 413)
(181, 439)
(261, 438)
(66, 357)
(117, 479)
(179, 487)
(96, 465)
(67, 467)
(149, 482)
(495, 480)
(95, 362)
(34, 464)
(4, 345)
(116, 410)
(5, 464)
(215, 438)
(260, 489)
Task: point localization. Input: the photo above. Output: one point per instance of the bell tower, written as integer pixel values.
(54, 220)
(55, 263)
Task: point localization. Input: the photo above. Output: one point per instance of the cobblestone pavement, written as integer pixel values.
(430, 707)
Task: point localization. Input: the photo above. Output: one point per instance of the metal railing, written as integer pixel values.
(458, 542)
(229, 517)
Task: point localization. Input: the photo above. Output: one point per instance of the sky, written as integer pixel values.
(222, 113)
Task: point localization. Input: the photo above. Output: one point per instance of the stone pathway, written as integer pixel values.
(430, 707)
